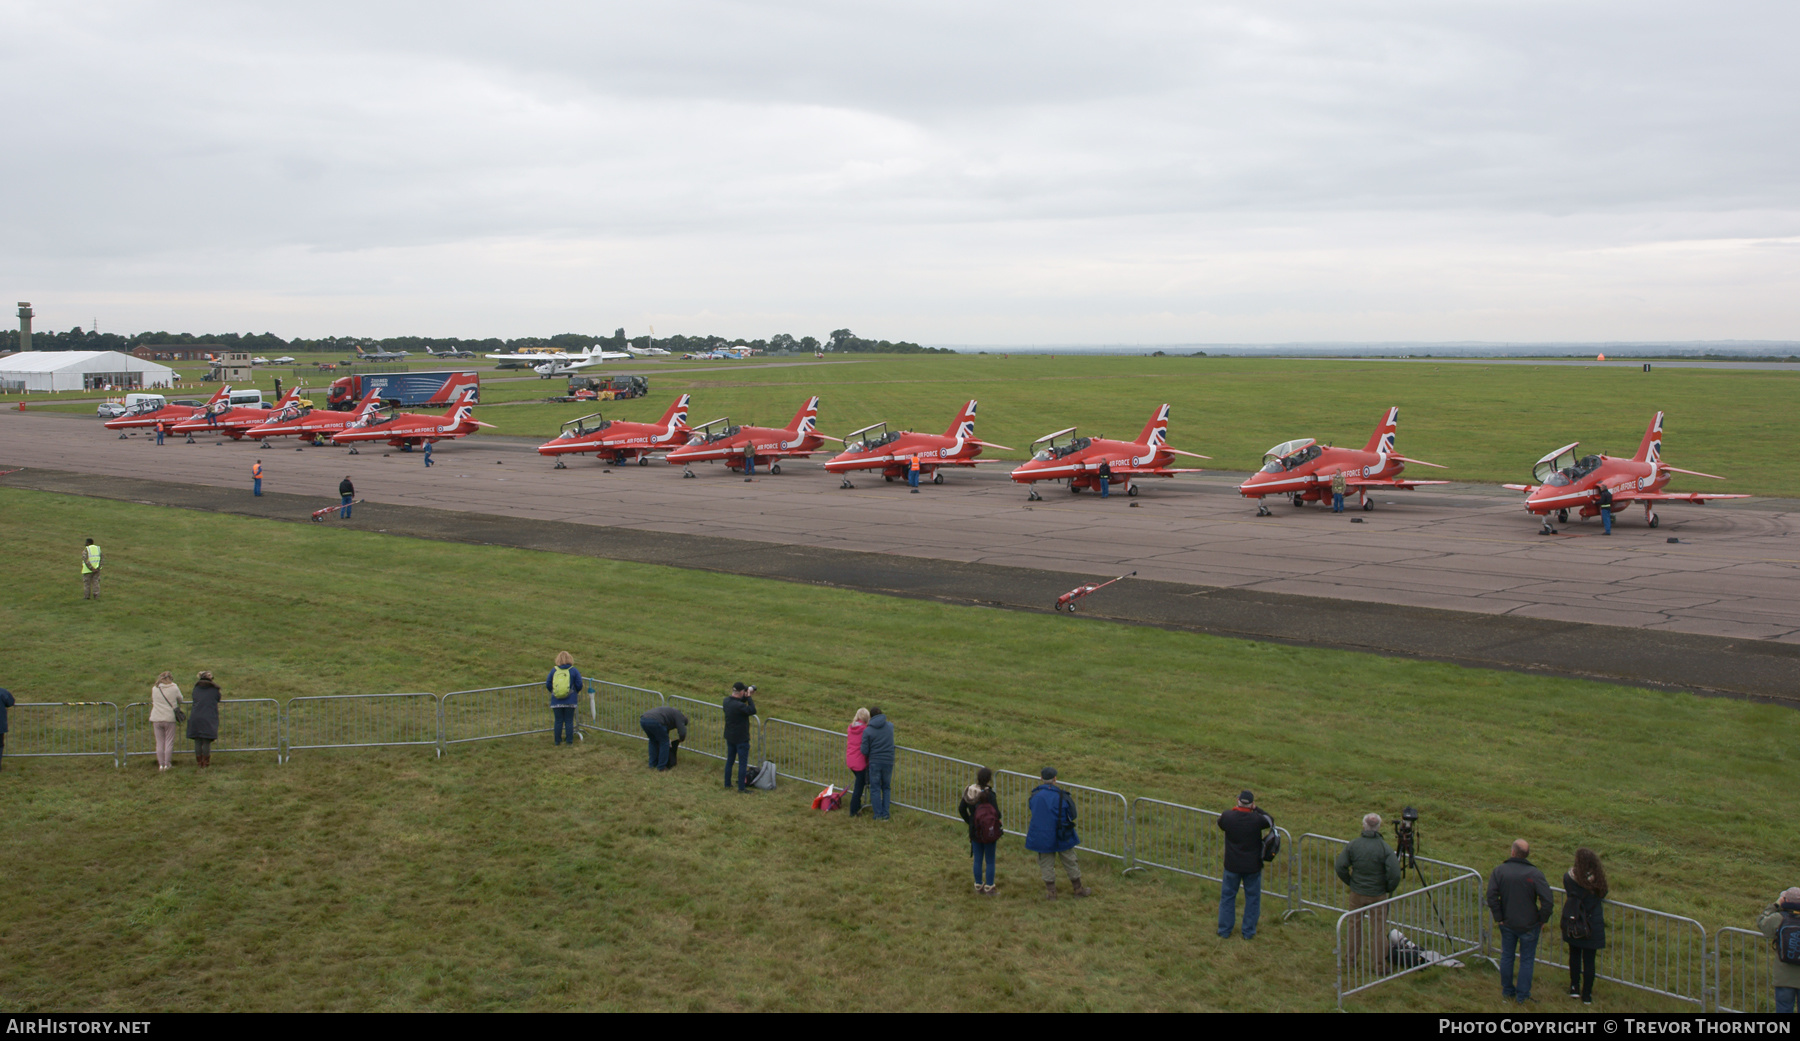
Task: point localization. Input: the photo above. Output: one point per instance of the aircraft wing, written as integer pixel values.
(1384, 482)
(1625, 495)
(1526, 488)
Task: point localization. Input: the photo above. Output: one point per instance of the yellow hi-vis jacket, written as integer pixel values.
(90, 559)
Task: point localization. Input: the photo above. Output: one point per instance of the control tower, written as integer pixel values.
(25, 317)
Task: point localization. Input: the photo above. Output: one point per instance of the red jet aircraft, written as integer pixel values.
(876, 448)
(619, 439)
(407, 429)
(170, 414)
(1302, 470)
(1569, 483)
(1063, 456)
(718, 440)
(315, 424)
(232, 422)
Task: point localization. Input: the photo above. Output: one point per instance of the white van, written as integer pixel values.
(248, 399)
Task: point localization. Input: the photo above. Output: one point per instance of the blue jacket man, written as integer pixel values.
(564, 684)
(878, 747)
(1051, 834)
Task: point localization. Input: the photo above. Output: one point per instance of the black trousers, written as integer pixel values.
(1581, 970)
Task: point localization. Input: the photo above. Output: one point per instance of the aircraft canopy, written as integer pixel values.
(1289, 454)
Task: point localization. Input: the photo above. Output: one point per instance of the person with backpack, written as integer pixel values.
(878, 749)
(1780, 922)
(855, 759)
(980, 810)
(1051, 834)
(1584, 921)
(1243, 826)
(564, 684)
(739, 708)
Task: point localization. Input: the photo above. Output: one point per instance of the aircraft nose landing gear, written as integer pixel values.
(1262, 509)
(685, 472)
(846, 484)
(560, 465)
(1034, 496)
(1548, 528)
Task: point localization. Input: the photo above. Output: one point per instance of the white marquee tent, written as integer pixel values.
(80, 370)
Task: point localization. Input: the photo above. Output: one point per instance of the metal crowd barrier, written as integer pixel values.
(1186, 840)
(1650, 950)
(488, 713)
(363, 721)
(706, 728)
(1442, 921)
(614, 708)
(1315, 874)
(1102, 818)
(929, 783)
(810, 754)
(245, 725)
(1743, 971)
(63, 728)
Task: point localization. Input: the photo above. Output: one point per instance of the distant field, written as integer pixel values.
(510, 878)
(1487, 423)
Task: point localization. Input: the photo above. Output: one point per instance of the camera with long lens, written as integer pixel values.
(1406, 836)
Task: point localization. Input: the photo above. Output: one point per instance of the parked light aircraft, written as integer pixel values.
(719, 440)
(170, 414)
(1303, 469)
(1064, 457)
(316, 424)
(621, 440)
(218, 418)
(558, 356)
(876, 448)
(1567, 482)
(648, 352)
(286, 359)
(449, 352)
(407, 429)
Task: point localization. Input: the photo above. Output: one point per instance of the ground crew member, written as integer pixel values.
(1338, 487)
(428, 455)
(348, 491)
(159, 432)
(256, 476)
(1605, 501)
(90, 571)
(1105, 478)
(749, 460)
(912, 473)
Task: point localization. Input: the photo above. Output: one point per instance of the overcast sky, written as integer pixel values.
(939, 172)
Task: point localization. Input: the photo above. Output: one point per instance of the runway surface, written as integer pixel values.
(1466, 556)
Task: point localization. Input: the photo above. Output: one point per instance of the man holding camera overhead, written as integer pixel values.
(1372, 871)
(739, 708)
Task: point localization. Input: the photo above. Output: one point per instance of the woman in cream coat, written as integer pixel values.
(165, 697)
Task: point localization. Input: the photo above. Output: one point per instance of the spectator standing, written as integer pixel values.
(347, 492)
(739, 708)
(749, 460)
(980, 810)
(6, 702)
(856, 760)
(203, 721)
(1784, 970)
(1605, 501)
(1243, 826)
(1105, 476)
(657, 723)
(1584, 921)
(256, 477)
(564, 684)
(1371, 870)
(1051, 834)
(878, 749)
(1519, 896)
(1338, 487)
(90, 571)
(165, 712)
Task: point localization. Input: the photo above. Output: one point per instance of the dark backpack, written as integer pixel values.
(1787, 938)
(1271, 841)
(1065, 817)
(987, 823)
(1575, 924)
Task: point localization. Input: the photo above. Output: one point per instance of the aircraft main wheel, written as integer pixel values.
(1655, 520)
(890, 478)
(1074, 489)
(1562, 516)
(937, 478)
(774, 468)
(643, 460)
(1298, 502)
(1131, 490)
(1368, 504)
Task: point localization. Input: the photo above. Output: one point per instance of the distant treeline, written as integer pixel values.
(841, 340)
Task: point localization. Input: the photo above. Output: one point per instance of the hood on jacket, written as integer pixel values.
(971, 793)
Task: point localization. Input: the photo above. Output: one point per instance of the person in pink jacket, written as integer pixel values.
(855, 760)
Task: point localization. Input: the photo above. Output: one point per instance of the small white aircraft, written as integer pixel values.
(283, 360)
(563, 368)
(648, 352)
(259, 361)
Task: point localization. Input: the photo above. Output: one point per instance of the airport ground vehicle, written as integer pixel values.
(404, 389)
(600, 388)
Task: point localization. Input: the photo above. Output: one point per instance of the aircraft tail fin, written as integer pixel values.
(1650, 448)
(808, 416)
(1382, 440)
(220, 394)
(676, 417)
(1156, 432)
(963, 425)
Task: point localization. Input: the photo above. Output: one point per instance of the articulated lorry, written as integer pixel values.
(406, 389)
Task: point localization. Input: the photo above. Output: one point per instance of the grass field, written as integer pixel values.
(512, 876)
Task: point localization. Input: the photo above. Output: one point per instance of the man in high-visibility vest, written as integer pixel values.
(912, 473)
(90, 571)
(256, 476)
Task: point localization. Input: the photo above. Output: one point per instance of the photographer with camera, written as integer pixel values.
(1780, 922)
(1372, 871)
(1519, 895)
(1245, 852)
(739, 707)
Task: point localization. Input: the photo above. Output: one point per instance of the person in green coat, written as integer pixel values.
(1372, 871)
(1783, 976)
